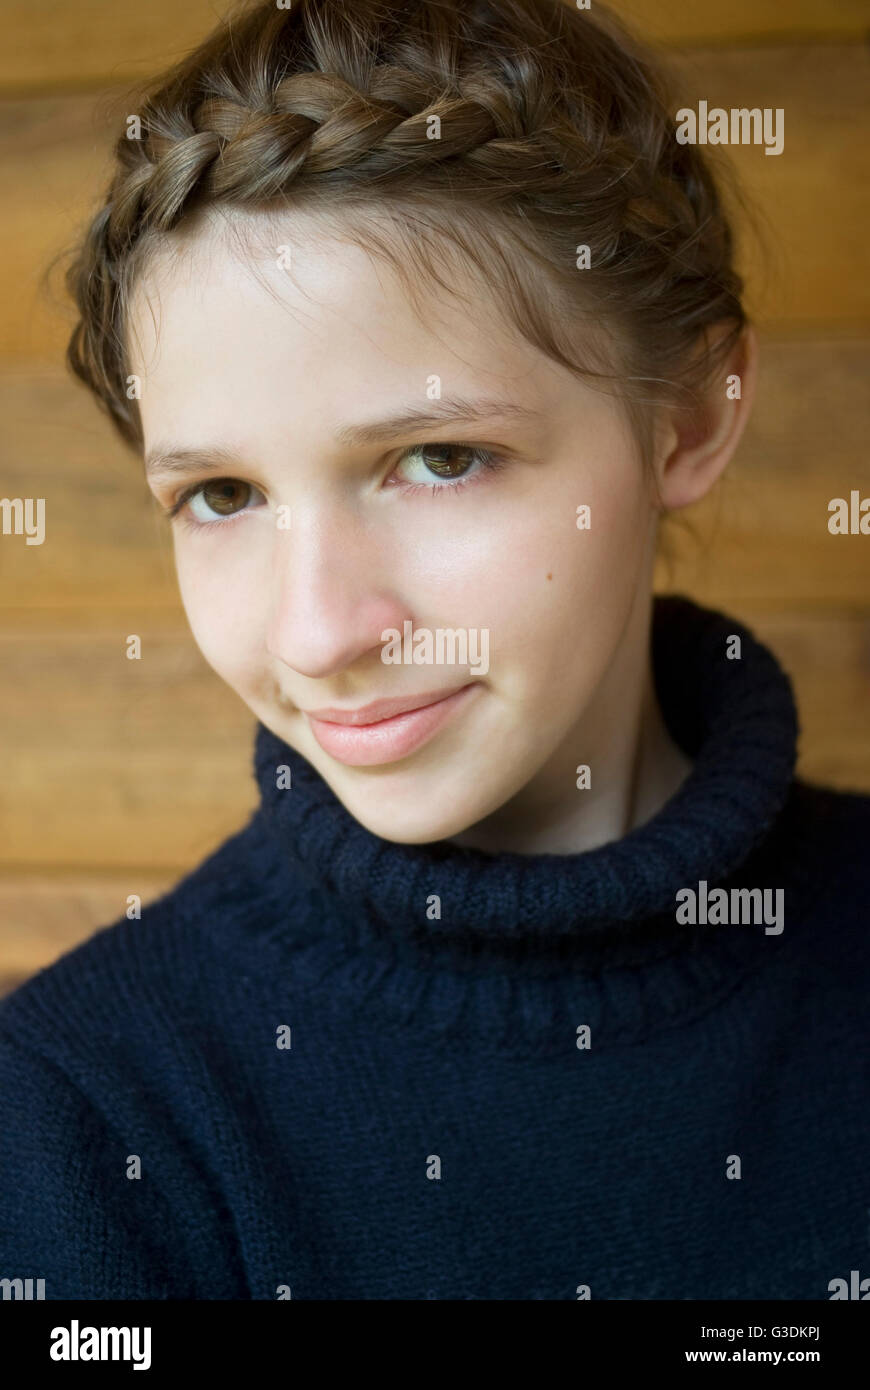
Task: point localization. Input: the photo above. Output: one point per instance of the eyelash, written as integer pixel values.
(490, 463)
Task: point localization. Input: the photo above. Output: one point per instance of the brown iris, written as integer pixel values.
(222, 495)
(439, 466)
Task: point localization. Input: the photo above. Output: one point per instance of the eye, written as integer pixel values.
(220, 500)
(215, 501)
(451, 464)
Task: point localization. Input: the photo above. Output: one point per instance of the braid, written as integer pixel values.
(535, 117)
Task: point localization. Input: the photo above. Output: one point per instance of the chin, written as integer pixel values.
(392, 823)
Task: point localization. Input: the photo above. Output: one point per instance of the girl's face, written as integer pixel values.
(384, 507)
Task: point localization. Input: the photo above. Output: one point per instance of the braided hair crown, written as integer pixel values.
(521, 130)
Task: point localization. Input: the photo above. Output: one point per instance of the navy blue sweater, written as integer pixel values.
(293, 1077)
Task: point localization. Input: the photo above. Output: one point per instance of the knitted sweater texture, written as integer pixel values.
(329, 1066)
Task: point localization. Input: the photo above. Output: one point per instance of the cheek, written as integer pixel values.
(221, 604)
(564, 593)
(521, 568)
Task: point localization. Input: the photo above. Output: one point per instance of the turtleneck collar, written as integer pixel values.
(520, 917)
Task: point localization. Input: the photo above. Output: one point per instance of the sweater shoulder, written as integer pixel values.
(834, 821)
(827, 832)
(850, 803)
(131, 968)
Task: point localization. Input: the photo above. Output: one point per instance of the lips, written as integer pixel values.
(386, 730)
(379, 710)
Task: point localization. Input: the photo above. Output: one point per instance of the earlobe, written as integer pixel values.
(698, 444)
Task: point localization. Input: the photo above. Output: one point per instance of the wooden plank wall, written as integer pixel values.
(118, 777)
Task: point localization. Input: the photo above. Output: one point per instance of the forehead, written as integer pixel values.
(299, 286)
(246, 328)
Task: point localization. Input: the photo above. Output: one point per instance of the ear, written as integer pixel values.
(695, 447)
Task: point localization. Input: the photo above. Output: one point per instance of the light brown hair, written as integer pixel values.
(555, 130)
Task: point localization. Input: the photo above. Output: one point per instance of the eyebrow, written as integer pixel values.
(166, 459)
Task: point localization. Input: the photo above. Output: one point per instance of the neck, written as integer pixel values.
(635, 766)
(513, 946)
(736, 721)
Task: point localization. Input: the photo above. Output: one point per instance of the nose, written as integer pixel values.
(331, 596)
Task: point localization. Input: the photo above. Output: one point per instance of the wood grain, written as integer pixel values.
(119, 776)
(95, 801)
(42, 916)
(761, 535)
(149, 763)
(802, 240)
(109, 761)
(100, 42)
